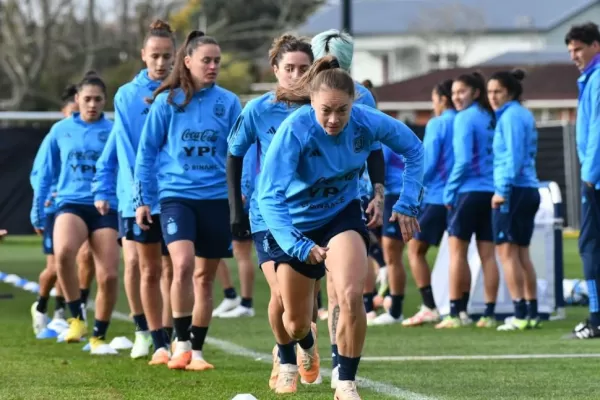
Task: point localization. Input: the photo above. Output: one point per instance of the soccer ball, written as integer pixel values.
(575, 292)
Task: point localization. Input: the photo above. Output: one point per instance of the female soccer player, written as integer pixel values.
(186, 130)
(143, 242)
(341, 46)
(75, 145)
(468, 195)
(290, 57)
(516, 199)
(48, 276)
(439, 157)
(311, 209)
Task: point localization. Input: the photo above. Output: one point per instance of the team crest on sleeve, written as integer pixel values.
(219, 110)
(359, 144)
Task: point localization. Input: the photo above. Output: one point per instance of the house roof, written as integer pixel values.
(542, 82)
(389, 17)
(530, 58)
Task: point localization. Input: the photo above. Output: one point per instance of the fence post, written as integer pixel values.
(572, 180)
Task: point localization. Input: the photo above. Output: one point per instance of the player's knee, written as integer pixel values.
(351, 300)
(107, 278)
(203, 280)
(151, 272)
(298, 328)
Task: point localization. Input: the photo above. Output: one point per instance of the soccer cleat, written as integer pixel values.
(160, 357)
(425, 315)
(237, 312)
(465, 320)
(141, 345)
(449, 323)
(58, 324)
(346, 390)
(287, 380)
(486, 322)
(226, 305)
(309, 361)
(514, 324)
(199, 365)
(335, 377)
(371, 315)
(384, 319)
(77, 330)
(99, 347)
(535, 323)
(182, 355)
(39, 320)
(585, 330)
(275, 369)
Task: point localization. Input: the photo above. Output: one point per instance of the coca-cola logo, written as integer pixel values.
(208, 135)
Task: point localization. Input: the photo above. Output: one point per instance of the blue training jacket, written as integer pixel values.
(308, 176)
(190, 144)
(74, 148)
(472, 145)
(588, 123)
(439, 156)
(515, 149)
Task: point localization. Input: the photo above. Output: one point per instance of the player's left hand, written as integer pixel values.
(102, 206)
(408, 225)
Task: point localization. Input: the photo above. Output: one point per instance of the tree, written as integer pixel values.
(26, 29)
(449, 29)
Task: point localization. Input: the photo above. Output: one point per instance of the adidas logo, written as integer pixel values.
(272, 131)
(315, 153)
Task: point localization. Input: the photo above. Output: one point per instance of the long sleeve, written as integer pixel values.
(274, 180)
(153, 137)
(125, 151)
(512, 157)
(403, 141)
(462, 143)
(249, 170)
(49, 169)
(104, 185)
(590, 167)
(432, 145)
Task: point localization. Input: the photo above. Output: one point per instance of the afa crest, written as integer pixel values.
(359, 144)
(103, 136)
(219, 110)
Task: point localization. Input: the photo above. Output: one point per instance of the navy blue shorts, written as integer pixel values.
(90, 215)
(350, 218)
(514, 223)
(122, 227)
(153, 235)
(390, 229)
(203, 222)
(472, 215)
(433, 222)
(261, 246)
(47, 244)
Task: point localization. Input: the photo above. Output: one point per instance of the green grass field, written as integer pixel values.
(239, 349)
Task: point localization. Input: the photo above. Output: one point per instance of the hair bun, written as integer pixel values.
(160, 25)
(195, 34)
(334, 63)
(518, 74)
(90, 74)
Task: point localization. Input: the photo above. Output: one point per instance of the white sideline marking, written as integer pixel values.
(475, 357)
(234, 349)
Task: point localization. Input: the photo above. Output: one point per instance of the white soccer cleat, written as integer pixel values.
(102, 349)
(335, 377)
(39, 320)
(465, 320)
(239, 311)
(141, 345)
(226, 305)
(384, 319)
(424, 316)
